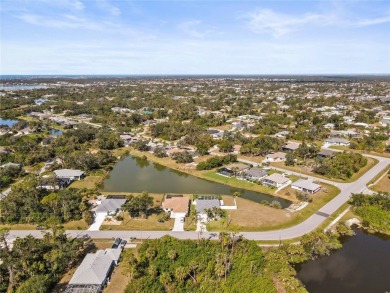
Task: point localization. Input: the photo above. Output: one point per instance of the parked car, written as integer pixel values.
(40, 228)
(116, 242)
(123, 243)
(181, 220)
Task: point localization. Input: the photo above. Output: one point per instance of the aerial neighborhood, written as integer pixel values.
(110, 174)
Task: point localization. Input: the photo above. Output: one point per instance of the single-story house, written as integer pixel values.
(384, 122)
(94, 271)
(6, 165)
(276, 157)
(337, 141)
(203, 203)
(306, 186)
(276, 180)
(69, 174)
(176, 205)
(326, 154)
(291, 146)
(60, 183)
(329, 126)
(215, 133)
(236, 149)
(232, 169)
(255, 174)
(237, 167)
(110, 206)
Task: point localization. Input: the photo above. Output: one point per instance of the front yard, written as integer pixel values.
(251, 216)
(149, 224)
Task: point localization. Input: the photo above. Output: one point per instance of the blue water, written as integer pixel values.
(55, 131)
(8, 122)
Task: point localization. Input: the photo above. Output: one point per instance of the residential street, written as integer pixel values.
(296, 231)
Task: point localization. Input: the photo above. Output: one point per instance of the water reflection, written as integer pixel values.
(362, 265)
(134, 174)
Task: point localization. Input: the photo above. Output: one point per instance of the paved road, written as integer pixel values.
(303, 228)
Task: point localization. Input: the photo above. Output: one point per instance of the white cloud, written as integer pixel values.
(192, 28)
(279, 24)
(59, 22)
(107, 6)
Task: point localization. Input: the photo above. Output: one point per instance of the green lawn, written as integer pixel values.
(258, 223)
(149, 224)
(234, 182)
(89, 182)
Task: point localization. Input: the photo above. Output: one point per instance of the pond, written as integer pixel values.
(133, 174)
(8, 122)
(55, 131)
(362, 265)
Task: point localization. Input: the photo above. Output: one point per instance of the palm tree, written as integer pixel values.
(180, 273)
(152, 270)
(165, 278)
(172, 254)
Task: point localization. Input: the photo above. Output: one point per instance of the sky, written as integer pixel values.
(194, 37)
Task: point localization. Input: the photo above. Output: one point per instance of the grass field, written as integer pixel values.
(383, 185)
(89, 182)
(231, 181)
(370, 163)
(252, 216)
(149, 224)
(118, 281)
(76, 225)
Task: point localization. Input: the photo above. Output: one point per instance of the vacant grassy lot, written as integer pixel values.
(383, 185)
(149, 224)
(19, 227)
(89, 182)
(76, 225)
(256, 159)
(251, 216)
(370, 163)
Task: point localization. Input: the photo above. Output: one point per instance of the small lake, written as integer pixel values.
(55, 131)
(8, 122)
(133, 174)
(362, 265)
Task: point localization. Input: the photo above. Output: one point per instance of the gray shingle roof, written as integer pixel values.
(306, 184)
(110, 205)
(203, 203)
(95, 267)
(68, 173)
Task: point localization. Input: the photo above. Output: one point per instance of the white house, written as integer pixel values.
(69, 174)
(110, 206)
(276, 180)
(306, 186)
(336, 141)
(276, 157)
(94, 271)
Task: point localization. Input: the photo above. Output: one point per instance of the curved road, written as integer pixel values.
(296, 231)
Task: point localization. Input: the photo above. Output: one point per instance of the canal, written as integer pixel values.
(133, 174)
(362, 265)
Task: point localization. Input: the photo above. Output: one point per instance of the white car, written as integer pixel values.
(181, 220)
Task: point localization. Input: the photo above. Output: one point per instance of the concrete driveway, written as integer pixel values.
(178, 226)
(99, 219)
